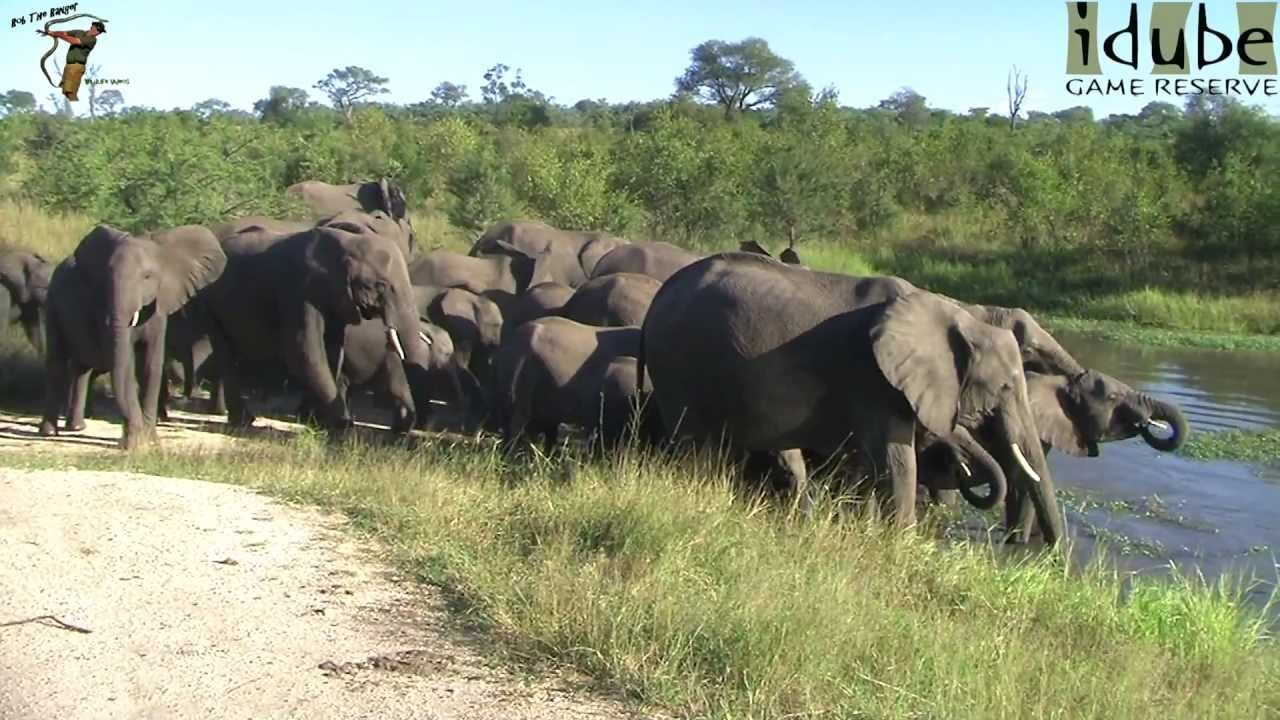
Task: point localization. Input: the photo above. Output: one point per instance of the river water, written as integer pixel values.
(1149, 509)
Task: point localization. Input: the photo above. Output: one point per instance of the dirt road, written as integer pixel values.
(210, 601)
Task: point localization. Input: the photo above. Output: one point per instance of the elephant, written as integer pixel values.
(327, 200)
(553, 370)
(375, 221)
(658, 260)
(504, 276)
(111, 300)
(286, 302)
(615, 300)
(257, 224)
(533, 238)
(25, 275)
(473, 322)
(781, 360)
(540, 300)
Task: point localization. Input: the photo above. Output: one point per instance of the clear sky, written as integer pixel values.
(957, 54)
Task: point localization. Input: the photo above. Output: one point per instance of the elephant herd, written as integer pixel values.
(537, 327)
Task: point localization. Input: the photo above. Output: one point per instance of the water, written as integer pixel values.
(1151, 509)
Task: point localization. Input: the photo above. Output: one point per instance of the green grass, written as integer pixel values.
(1251, 446)
(656, 578)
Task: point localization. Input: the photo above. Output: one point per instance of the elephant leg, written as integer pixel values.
(1019, 516)
(891, 451)
(89, 409)
(153, 383)
(230, 383)
(80, 377)
(308, 359)
(404, 414)
(218, 398)
(56, 383)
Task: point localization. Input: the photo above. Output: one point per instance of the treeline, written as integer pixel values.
(1166, 195)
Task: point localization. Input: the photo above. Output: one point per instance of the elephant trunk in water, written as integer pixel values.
(1163, 415)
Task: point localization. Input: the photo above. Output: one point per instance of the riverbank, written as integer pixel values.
(658, 579)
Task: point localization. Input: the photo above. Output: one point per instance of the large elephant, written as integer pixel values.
(553, 370)
(286, 302)
(778, 359)
(25, 275)
(533, 238)
(615, 300)
(326, 200)
(109, 304)
(658, 260)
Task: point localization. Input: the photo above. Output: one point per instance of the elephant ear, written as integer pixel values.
(920, 345)
(790, 257)
(1051, 404)
(190, 258)
(95, 249)
(751, 246)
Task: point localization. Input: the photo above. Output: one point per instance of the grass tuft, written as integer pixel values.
(1251, 446)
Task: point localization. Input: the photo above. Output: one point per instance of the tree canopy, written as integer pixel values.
(740, 75)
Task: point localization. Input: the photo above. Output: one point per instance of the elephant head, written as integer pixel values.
(1075, 415)
(442, 370)
(25, 275)
(957, 371)
(381, 222)
(595, 249)
(1041, 352)
(550, 265)
(960, 463)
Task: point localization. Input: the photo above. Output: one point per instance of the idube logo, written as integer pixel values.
(1251, 43)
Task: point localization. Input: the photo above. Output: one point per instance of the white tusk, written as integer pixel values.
(1160, 424)
(134, 321)
(1017, 453)
(425, 338)
(395, 342)
(965, 469)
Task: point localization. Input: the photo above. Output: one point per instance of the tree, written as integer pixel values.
(449, 95)
(347, 86)
(908, 106)
(739, 76)
(1016, 90)
(107, 102)
(206, 109)
(16, 102)
(281, 104)
(515, 103)
(1079, 113)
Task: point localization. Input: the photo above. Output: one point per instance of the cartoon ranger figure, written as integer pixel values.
(82, 43)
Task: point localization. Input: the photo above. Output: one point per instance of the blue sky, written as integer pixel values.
(177, 52)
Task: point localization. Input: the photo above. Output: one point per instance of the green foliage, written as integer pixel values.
(347, 86)
(739, 76)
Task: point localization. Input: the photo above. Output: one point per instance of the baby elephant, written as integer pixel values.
(555, 370)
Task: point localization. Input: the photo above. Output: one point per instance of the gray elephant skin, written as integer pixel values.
(109, 304)
(554, 370)
(25, 275)
(771, 358)
(658, 260)
(533, 238)
(326, 200)
(474, 322)
(286, 302)
(616, 300)
(541, 300)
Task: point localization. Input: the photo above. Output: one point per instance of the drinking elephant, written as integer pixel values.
(658, 260)
(616, 300)
(553, 370)
(25, 275)
(778, 359)
(533, 238)
(286, 302)
(109, 304)
(327, 200)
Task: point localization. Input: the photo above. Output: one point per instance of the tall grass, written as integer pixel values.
(54, 234)
(657, 577)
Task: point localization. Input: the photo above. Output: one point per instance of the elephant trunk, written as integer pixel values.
(1032, 470)
(124, 314)
(33, 321)
(982, 469)
(1168, 415)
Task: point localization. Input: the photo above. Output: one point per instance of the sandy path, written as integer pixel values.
(210, 601)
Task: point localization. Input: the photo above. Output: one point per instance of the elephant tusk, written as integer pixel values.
(137, 315)
(425, 338)
(395, 342)
(965, 469)
(1160, 424)
(1026, 467)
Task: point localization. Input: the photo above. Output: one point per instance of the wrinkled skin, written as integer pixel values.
(473, 322)
(25, 275)
(109, 304)
(616, 300)
(782, 360)
(284, 305)
(540, 300)
(327, 200)
(579, 249)
(658, 260)
(554, 370)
